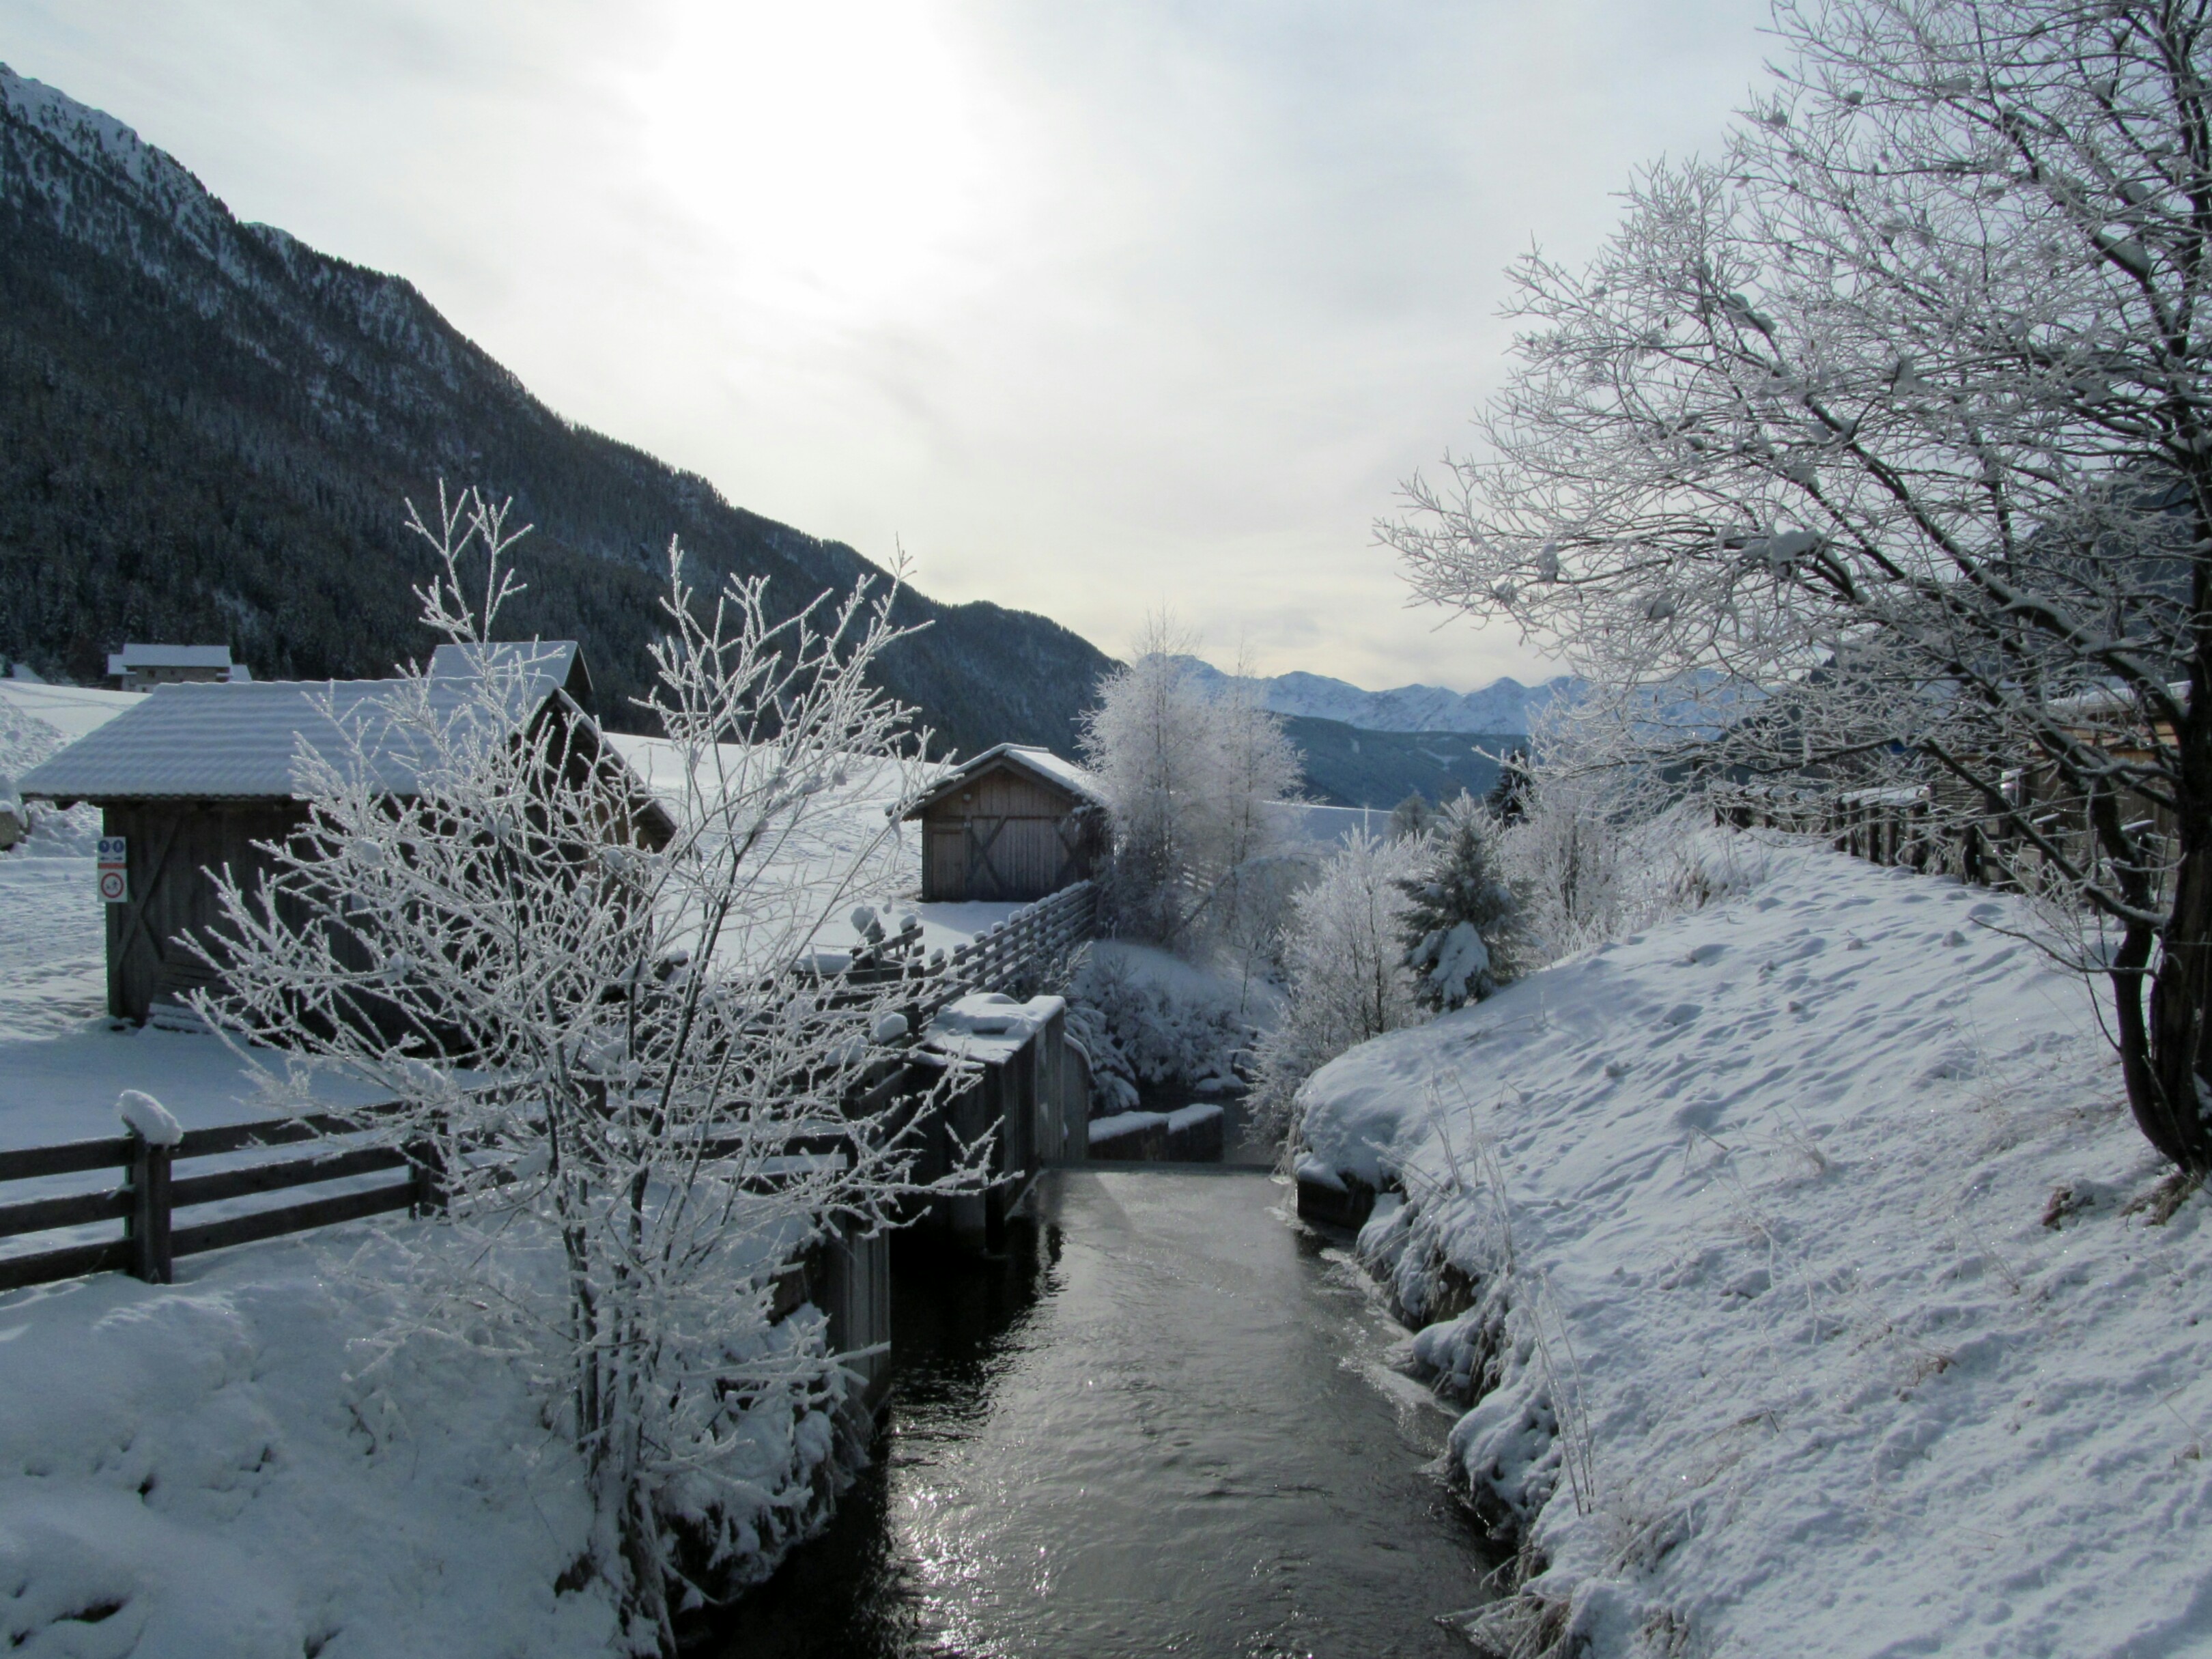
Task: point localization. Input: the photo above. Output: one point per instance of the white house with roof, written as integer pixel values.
(142, 667)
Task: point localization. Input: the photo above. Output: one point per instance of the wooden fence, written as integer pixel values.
(1021, 954)
(148, 1202)
(1902, 827)
(1027, 947)
(1018, 952)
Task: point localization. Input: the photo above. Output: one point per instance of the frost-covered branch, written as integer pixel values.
(1880, 451)
(595, 1007)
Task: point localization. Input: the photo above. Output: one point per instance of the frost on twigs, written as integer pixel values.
(636, 1111)
(1876, 455)
(1192, 774)
(1346, 953)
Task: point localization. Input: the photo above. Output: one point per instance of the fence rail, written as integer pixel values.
(148, 1202)
(1898, 827)
(1019, 949)
(1027, 945)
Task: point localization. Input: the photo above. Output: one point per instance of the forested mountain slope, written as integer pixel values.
(207, 429)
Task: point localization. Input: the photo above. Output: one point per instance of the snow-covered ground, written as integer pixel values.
(890, 882)
(202, 1469)
(1798, 1236)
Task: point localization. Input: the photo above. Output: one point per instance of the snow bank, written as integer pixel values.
(197, 1469)
(1784, 1253)
(38, 721)
(987, 1026)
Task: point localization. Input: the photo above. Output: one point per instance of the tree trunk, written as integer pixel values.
(2167, 1058)
(2170, 1089)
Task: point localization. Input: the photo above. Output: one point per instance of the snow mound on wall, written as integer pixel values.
(1783, 1252)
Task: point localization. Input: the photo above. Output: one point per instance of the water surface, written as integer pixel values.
(1161, 1424)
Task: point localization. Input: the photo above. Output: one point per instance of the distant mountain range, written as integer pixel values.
(1345, 766)
(1503, 707)
(207, 429)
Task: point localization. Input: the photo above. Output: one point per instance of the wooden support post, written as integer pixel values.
(148, 1224)
(427, 1170)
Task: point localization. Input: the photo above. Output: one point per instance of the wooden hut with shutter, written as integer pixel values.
(189, 779)
(1012, 824)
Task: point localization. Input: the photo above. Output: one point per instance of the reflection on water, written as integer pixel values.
(1160, 1426)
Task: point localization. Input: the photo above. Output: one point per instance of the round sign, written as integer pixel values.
(111, 886)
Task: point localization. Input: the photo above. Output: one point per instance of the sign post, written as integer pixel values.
(114, 869)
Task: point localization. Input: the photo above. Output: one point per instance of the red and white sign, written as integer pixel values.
(114, 869)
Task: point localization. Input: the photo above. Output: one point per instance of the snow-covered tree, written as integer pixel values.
(1463, 934)
(1508, 799)
(658, 1112)
(1344, 952)
(1884, 446)
(1412, 816)
(1189, 771)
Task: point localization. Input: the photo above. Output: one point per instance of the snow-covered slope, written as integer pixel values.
(1812, 1311)
(1505, 706)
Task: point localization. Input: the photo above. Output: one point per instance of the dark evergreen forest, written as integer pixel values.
(207, 430)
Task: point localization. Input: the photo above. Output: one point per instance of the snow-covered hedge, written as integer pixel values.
(1145, 1018)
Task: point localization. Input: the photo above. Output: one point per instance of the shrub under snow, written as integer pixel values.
(1145, 1018)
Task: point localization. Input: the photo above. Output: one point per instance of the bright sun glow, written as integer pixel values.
(839, 151)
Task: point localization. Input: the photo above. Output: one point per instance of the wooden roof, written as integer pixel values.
(227, 741)
(1042, 766)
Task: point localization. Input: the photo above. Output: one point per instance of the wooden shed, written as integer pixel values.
(1013, 823)
(191, 777)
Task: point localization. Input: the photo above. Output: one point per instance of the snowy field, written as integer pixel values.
(1800, 1229)
(860, 827)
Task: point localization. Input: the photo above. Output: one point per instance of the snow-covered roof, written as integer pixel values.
(229, 741)
(561, 660)
(553, 657)
(134, 656)
(1063, 774)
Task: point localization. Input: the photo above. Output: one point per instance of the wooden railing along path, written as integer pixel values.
(148, 1202)
(1020, 949)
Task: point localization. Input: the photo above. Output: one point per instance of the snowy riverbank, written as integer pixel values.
(1784, 1255)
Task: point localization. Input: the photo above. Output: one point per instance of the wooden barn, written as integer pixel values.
(1013, 823)
(191, 777)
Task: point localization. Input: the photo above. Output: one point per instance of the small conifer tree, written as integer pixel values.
(1464, 932)
(1508, 799)
(1412, 816)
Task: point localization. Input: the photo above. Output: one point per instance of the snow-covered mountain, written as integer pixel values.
(207, 426)
(1505, 706)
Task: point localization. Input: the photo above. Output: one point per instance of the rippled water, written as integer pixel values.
(1161, 1426)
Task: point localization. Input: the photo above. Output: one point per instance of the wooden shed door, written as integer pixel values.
(945, 862)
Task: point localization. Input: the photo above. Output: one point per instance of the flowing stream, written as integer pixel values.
(1161, 1424)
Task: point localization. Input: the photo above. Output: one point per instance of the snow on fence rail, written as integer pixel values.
(1024, 946)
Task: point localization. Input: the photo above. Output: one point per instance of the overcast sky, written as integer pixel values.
(1097, 306)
